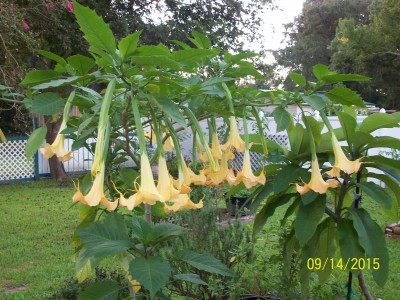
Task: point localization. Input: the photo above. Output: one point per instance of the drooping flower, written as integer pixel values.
(341, 161)
(25, 25)
(96, 193)
(165, 183)
(190, 177)
(183, 202)
(224, 173)
(246, 174)
(147, 192)
(57, 147)
(215, 146)
(168, 145)
(234, 139)
(317, 183)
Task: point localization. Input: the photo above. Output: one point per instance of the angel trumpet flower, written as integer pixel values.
(183, 202)
(147, 192)
(234, 137)
(168, 145)
(317, 183)
(224, 173)
(215, 146)
(246, 174)
(341, 161)
(165, 184)
(96, 193)
(190, 177)
(57, 147)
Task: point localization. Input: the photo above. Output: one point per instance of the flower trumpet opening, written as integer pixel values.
(234, 139)
(165, 184)
(183, 202)
(342, 163)
(246, 175)
(215, 146)
(57, 147)
(317, 183)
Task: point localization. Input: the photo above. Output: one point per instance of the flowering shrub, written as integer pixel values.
(155, 89)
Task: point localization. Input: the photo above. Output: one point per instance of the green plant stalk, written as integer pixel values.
(175, 139)
(246, 130)
(261, 130)
(156, 127)
(196, 125)
(326, 121)
(309, 131)
(229, 97)
(139, 126)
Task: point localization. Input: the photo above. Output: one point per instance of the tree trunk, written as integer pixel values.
(57, 170)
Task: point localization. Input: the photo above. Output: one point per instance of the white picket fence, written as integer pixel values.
(15, 167)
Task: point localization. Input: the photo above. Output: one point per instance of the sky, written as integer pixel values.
(274, 20)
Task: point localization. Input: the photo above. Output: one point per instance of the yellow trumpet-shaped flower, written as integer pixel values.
(224, 173)
(246, 174)
(183, 202)
(317, 183)
(190, 177)
(96, 193)
(215, 146)
(168, 145)
(57, 147)
(147, 192)
(165, 183)
(341, 161)
(202, 155)
(234, 139)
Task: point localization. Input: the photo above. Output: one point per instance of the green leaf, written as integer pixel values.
(287, 175)
(268, 210)
(245, 69)
(288, 250)
(169, 108)
(82, 64)
(215, 80)
(47, 104)
(298, 79)
(52, 56)
(156, 61)
(39, 76)
(128, 45)
(316, 128)
(315, 101)
(360, 139)
(193, 278)
(335, 78)
(96, 31)
(205, 262)
(128, 175)
(384, 142)
(102, 290)
(152, 272)
(380, 160)
(377, 121)
(105, 239)
(372, 239)
(164, 231)
(200, 40)
(57, 82)
(35, 141)
(326, 250)
(345, 96)
(308, 218)
(394, 186)
(141, 228)
(376, 193)
(296, 136)
(309, 197)
(193, 56)
(320, 71)
(349, 125)
(235, 58)
(282, 118)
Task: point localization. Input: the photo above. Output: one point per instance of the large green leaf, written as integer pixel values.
(320, 70)
(298, 79)
(345, 96)
(105, 239)
(235, 58)
(192, 56)
(156, 61)
(384, 142)
(101, 290)
(53, 56)
(308, 218)
(315, 101)
(372, 239)
(200, 40)
(96, 31)
(268, 210)
(245, 69)
(47, 104)
(379, 161)
(59, 82)
(128, 45)
(350, 248)
(286, 176)
(316, 128)
(35, 141)
(205, 262)
(376, 193)
(326, 251)
(140, 228)
(360, 139)
(288, 250)
(349, 125)
(152, 272)
(169, 108)
(163, 231)
(377, 121)
(39, 76)
(282, 118)
(82, 64)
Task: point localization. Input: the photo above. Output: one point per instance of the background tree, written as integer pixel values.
(310, 34)
(372, 50)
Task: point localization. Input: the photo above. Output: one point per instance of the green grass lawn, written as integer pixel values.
(37, 222)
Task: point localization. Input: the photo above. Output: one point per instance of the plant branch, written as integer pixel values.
(364, 288)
